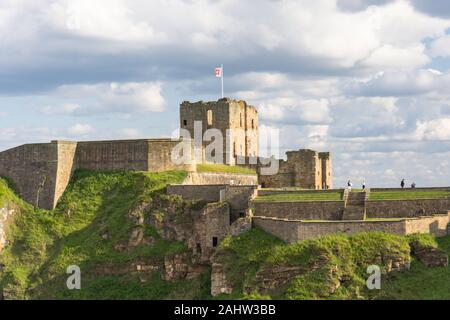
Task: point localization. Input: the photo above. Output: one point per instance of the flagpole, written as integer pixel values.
(221, 67)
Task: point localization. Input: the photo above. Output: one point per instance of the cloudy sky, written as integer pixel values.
(368, 80)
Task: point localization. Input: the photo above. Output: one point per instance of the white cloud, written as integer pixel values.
(80, 129)
(65, 109)
(437, 129)
(397, 83)
(441, 47)
(125, 98)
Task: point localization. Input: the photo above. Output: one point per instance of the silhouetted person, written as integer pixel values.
(364, 185)
(402, 184)
(413, 185)
(349, 185)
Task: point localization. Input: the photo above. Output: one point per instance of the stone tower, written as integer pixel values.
(235, 119)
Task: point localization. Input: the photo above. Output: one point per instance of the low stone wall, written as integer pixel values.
(220, 178)
(286, 230)
(406, 208)
(300, 210)
(268, 192)
(237, 196)
(208, 193)
(297, 230)
(436, 225)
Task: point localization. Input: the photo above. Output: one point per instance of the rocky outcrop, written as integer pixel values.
(5, 213)
(179, 267)
(428, 255)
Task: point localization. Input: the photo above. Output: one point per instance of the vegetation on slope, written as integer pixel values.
(334, 267)
(90, 219)
(222, 168)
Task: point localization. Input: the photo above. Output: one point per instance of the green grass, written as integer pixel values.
(326, 261)
(302, 196)
(222, 168)
(408, 195)
(44, 243)
(420, 282)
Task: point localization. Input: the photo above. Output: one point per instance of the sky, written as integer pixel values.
(368, 80)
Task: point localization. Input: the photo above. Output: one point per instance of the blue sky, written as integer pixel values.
(367, 80)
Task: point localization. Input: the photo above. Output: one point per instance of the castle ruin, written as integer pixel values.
(41, 171)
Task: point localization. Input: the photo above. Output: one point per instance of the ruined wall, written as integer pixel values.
(33, 169)
(160, 155)
(113, 155)
(304, 168)
(406, 208)
(208, 193)
(327, 171)
(238, 197)
(42, 171)
(283, 229)
(213, 222)
(296, 230)
(436, 225)
(300, 210)
(220, 178)
(66, 166)
(224, 114)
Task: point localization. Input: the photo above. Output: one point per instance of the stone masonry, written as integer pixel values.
(306, 169)
(42, 171)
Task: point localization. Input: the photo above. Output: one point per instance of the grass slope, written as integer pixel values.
(45, 243)
(222, 168)
(346, 260)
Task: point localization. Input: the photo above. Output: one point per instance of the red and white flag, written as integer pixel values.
(218, 72)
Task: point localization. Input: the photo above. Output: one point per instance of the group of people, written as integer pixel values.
(402, 184)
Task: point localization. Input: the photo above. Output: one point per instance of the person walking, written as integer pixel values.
(364, 185)
(402, 184)
(349, 185)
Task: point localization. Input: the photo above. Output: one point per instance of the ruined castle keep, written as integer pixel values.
(306, 169)
(236, 120)
(41, 171)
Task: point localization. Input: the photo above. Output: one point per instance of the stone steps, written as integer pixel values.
(355, 206)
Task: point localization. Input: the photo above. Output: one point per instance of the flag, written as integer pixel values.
(218, 72)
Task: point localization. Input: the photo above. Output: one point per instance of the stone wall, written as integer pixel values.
(405, 208)
(304, 168)
(42, 171)
(238, 197)
(6, 212)
(66, 166)
(234, 119)
(268, 192)
(436, 225)
(300, 210)
(207, 193)
(284, 229)
(297, 230)
(33, 169)
(220, 178)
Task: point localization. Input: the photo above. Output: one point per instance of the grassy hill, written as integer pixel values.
(92, 220)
